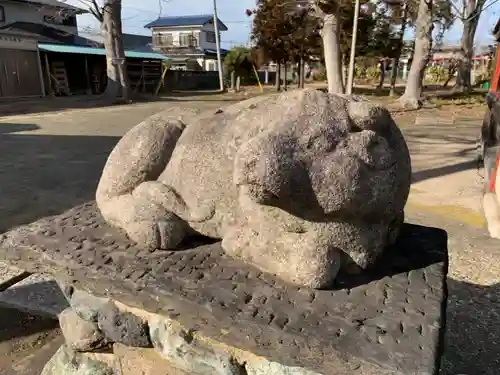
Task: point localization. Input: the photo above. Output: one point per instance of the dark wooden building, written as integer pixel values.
(20, 67)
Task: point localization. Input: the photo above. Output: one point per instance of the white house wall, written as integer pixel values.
(203, 37)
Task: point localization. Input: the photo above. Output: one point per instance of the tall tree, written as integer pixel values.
(329, 14)
(109, 16)
(468, 12)
(398, 14)
(404, 14)
(334, 25)
(271, 31)
(421, 55)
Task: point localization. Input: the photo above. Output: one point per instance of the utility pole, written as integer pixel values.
(352, 60)
(368, 9)
(217, 43)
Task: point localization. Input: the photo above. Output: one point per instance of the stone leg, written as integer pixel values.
(149, 215)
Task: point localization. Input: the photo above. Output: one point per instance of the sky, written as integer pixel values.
(137, 13)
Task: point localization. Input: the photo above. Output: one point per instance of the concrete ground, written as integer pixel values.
(51, 161)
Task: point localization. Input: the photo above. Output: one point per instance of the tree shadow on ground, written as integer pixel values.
(430, 91)
(43, 175)
(27, 341)
(15, 323)
(6, 128)
(440, 149)
(51, 104)
(472, 329)
(443, 171)
(9, 107)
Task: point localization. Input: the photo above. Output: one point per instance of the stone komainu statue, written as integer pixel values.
(298, 184)
(490, 155)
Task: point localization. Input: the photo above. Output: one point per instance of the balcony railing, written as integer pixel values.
(182, 43)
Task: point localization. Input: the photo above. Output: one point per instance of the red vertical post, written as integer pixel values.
(496, 75)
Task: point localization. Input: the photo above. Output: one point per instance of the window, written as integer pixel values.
(210, 37)
(186, 39)
(211, 66)
(2, 14)
(167, 39)
(163, 39)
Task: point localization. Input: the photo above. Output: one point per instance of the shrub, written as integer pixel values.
(319, 74)
(373, 73)
(436, 74)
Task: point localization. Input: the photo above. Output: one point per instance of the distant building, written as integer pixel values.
(188, 41)
(47, 21)
(41, 53)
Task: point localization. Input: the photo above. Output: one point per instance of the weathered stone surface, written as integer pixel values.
(186, 352)
(388, 318)
(139, 361)
(263, 367)
(299, 184)
(68, 362)
(84, 304)
(123, 327)
(80, 335)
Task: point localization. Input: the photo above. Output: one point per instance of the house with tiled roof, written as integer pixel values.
(42, 53)
(188, 41)
(49, 21)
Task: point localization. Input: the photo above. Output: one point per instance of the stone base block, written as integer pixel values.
(69, 362)
(122, 361)
(134, 361)
(208, 314)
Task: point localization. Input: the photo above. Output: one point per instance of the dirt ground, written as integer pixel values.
(26, 341)
(51, 161)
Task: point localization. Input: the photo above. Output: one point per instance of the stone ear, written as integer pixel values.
(366, 115)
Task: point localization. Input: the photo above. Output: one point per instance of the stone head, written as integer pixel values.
(324, 155)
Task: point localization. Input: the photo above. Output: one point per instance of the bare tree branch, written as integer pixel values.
(97, 11)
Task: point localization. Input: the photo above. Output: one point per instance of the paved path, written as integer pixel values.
(52, 161)
(445, 169)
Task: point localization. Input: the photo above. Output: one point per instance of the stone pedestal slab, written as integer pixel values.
(208, 314)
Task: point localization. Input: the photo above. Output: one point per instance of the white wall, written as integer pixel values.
(16, 12)
(203, 37)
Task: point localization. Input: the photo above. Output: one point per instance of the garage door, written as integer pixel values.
(19, 73)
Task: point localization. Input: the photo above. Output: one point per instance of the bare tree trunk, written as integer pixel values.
(394, 75)
(302, 73)
(395, 60)
(452, 69)
(278, 77)
(470, 21)
(423, 43)
(285, 73)
(111, 28)
(333, 57)
(382, 67)
(298, 73)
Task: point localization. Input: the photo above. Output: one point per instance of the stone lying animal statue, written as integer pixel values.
(298, 184)
(490, 155)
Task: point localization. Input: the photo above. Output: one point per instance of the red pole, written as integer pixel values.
(496, 75)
